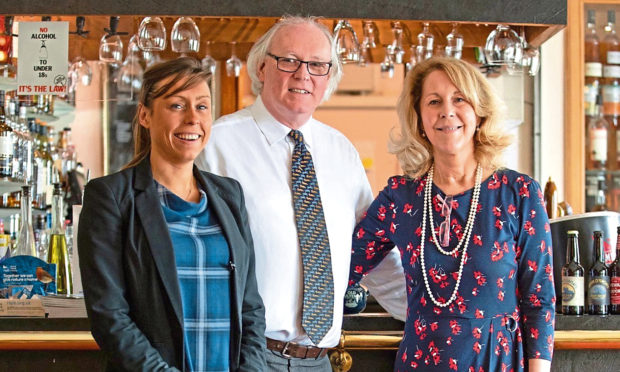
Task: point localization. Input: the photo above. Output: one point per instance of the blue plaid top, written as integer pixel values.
(202, 256)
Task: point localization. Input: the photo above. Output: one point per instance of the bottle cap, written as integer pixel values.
(575, 232)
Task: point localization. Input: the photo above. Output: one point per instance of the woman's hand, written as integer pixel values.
(539, 365)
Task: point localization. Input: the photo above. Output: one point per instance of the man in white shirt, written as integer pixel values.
(293, 68)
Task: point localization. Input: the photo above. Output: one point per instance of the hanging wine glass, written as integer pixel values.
(387, 66)
(397, 44)
(79, 70)
(412, 58)
(111, 45)
(370, 30)
(347, 46)
(129, 78)
(185, 36)
(111, 49)
(531, 56)
(233, 64)
(370, 35)
(454, 42)
(151, 57)
(209, 63)
(503, 47)
(152, 34)
(424, 49)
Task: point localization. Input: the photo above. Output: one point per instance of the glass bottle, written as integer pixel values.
(38, 167)
(610, 45)
(572, 277)
(598, 283)
(25, 245)
(26, 155)
(601, 197)
(598, 130)
(593, 65)
(614, 273)
(611, 112)
(41, 236)
(57, 252)
(6, 144)
(551, 199)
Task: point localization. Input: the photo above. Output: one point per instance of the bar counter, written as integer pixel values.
(370, 338)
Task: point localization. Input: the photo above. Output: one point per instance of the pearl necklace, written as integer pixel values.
(466, 234)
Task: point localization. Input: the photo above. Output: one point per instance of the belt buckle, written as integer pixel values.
(284, 351)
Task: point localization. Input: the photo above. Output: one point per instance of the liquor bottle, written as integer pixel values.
(572, 277)
(66, 151)
(6, 142)
(598, 283)
(38, 168)
(610, 45)
(598, 130)
(551, 199)
(593, 65)
(27, 151)
(614, 273)
(601, 198)
(611, 112)
(41, 236)
(25, 240)
(57, 252)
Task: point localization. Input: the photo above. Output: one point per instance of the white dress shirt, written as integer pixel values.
(254, 148)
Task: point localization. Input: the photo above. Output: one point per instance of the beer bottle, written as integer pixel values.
(572, 277)
(598, 284)
(614, 272)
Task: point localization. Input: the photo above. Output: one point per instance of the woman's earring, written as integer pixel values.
(423, 135)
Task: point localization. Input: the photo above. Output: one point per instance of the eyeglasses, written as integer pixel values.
(288, 64)
(444, 227)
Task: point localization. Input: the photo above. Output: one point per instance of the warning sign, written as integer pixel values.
(43, 54)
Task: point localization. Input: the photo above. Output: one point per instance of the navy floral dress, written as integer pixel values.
(503, 314)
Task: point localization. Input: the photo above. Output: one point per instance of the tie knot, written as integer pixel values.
(297, 136)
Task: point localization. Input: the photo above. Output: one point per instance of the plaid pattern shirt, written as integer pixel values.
(202, 256)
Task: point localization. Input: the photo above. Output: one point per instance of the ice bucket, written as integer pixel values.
(586, 224)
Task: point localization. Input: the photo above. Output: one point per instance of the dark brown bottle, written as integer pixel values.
(598, 283)
(572, 277)
(614, 273)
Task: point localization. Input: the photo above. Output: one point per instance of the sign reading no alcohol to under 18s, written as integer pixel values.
(43, 54)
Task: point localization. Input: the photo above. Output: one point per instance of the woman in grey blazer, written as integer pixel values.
(165, 250)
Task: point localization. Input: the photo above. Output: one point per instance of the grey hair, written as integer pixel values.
(259, 51)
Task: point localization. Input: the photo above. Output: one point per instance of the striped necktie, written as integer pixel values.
(318, 307)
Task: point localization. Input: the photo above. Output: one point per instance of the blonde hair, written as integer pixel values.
(412, 148)
(185, 68)
(258, 53)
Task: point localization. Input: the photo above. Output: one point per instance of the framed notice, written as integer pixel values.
(43, 54)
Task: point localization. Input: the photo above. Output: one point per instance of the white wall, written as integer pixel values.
(552, 112)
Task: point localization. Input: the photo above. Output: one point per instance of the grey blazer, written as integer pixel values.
(130, 280)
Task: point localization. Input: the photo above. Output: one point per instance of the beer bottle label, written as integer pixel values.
(572, 291)
(615, 290)
(598, 290)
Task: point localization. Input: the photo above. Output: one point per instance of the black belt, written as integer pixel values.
(293, 350)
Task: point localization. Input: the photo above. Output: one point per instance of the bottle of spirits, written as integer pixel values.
(25, 245)
(27, 151)
(601, 197)
(57, 252)
(41, 236)
(593, 65)
(610, 46)
(6, 146)
(573, 288)
(611, 112)
(614, 273)
(598, 283)
(598, 130)
(551, 198)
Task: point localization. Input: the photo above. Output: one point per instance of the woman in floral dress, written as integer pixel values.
(474, 237)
